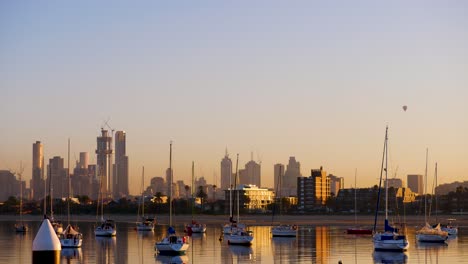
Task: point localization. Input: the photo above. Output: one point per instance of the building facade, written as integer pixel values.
(57, 178)
(251, 174)
(313, 191)
(289, 184)
(104, 162)
(336, 184)
(37, 183)
(120, 174)
(416, 183)
(226, 172)
(395, 183)
(251, 198)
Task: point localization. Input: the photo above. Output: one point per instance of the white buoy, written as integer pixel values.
(46, 245)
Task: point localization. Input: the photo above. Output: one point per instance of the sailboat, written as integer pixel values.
(107, 228)
(56, 224)
(194, 226)
(145, 223)
(356, 230)
(427, 233)
(233, 225)
(172, 244)
(238, 235)
(70, 237)
(21, 227)
(390, 239)
(282, 230)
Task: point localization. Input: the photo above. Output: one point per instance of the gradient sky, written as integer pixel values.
(310, 79)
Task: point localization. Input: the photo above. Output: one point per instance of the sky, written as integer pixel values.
(317, 80)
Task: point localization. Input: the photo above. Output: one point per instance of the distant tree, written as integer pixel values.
(202, 195)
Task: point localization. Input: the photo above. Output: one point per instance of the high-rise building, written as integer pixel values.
(37, 182)
(336, 184)
(157, 186)
(289, 184)
(58, 176)
(313, 191)
(278, 171)
(226, 172)
(415, 183)
(395, 183)
(8, 185)
(120, 175)
(83, 180)
(104, 162)
(251, 174)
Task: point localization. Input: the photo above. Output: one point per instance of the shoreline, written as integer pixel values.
(259, 220)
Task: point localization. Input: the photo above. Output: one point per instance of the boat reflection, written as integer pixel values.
(167, 259)
(71, 253)
(283, 240)
(242, 252)
(390, 257)
(432, 246)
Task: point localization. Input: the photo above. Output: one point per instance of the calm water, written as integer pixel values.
(314, 244)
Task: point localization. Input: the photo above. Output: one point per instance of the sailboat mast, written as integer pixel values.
(170, 184)
(355, 198)
(193, 190)
(435, 194)
(425, 189)
(68, 175)
(142, 190)
(235, 183)
(386, 174)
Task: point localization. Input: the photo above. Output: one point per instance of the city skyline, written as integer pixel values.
(314, 81)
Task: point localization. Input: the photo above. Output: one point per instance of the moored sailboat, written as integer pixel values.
(21, 227)
(172, 244)
(145, 223)
(194, 226)
(357, 230)
(70, 237)
(390, 239)
(282, 230)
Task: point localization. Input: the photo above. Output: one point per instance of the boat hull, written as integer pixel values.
(71, 242)
(284, 231)
(144, 227)
(431, 238)
(359, 231)
(172, 245)
(390, 242)
(240, 238)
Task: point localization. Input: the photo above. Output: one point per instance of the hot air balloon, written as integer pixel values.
(405, 107)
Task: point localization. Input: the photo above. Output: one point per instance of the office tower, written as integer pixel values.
(57, 178)
(37, 181)
(8, 185)
(157, 185)
(313, 191)
(120, 176)
(278, 170)
(226, 172)
(84, 160)
(395, 183)
(252, 174)
(289, 184)
(336, 184)
(82, 178)
(415, 183)
(104, 162)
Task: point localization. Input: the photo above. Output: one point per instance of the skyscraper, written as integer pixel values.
(278, 170)
(120, 175)
(251, 174)
(289, 184)
(336, 183)
(415, 183)
(58, 176)
(37, 181)
(104, 154)
(226, 172)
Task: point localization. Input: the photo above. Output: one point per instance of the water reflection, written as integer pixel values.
(171, 259)
(241, 253)
(105, 250)
(72, 253)
(390, 257)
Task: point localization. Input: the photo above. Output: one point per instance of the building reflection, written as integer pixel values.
(316, 240)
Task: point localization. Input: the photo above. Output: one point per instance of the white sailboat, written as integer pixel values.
(21, 227)
(56, 224)
(390, 239)
(172, 244)
(107, 228)
(70, 237)
(194, 226)
(282, 230)
(238, 235)
(429, 234)
(145, 223)
(233, 225)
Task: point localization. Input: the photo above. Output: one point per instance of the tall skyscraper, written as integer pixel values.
(278, 170)
(251, 174)
(120, 177)
(58, 176)
(104, 162)
(415, 183)
(226, 172)
(37, 182)
(313, 191)
(289, 184)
